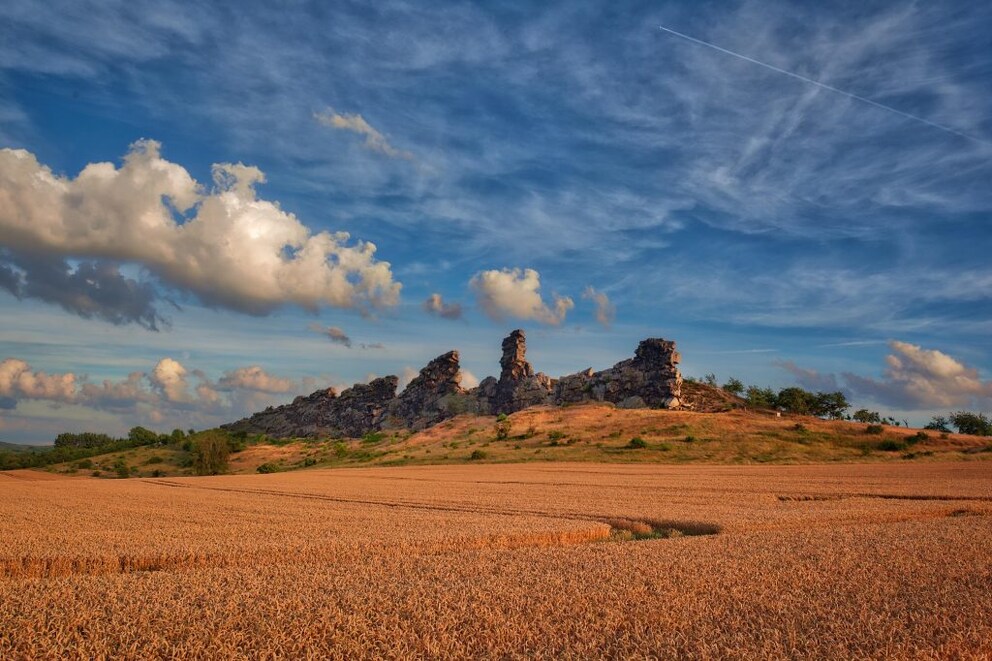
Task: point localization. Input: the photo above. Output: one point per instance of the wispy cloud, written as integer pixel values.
(374, 140)
(606, 312)
(436, 306)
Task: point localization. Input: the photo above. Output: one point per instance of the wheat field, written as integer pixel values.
(502, 561)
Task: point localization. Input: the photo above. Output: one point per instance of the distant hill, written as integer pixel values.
(17, 447)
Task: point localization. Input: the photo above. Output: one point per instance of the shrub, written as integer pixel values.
(122, 469)
(477, 455)
(874, 429)
(267, 467)
(340, 450)
(85, 464)
(373, 437)
(158, 473)
(690, 439)
(502, 427)
(154, 459)
(891, 445)
(637, 443)
(918, 437)
(556, 435)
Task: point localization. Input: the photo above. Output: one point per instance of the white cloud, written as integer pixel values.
(374, 140)
(254, 378)
(606, 312)
(516, 293)
(169, 376)
(235, 250)
(406, 376)
(436, 306)
(163, 397)
(924, 378)
(18, 380)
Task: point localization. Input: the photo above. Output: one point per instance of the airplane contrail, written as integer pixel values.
(822, 85)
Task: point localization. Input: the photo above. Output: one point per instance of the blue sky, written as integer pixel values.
(568, 168)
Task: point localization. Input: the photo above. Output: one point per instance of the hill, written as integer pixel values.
(590, 432)
(16, 447)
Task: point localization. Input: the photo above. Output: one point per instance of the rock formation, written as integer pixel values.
(518, 387)
(650, 379)
(432, 396)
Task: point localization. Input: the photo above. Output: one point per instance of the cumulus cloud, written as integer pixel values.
(254, 378)
(19, 381)
(92, 289)
(165, 394)
(225, 245)
(924, 378)
(169, 376)
(374, 140)
(436, 306)
(333, 333)
(516, 293)
(606, 312)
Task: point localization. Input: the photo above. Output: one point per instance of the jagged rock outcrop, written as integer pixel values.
(433, 395)
(518, 386)
(650, 379)
(355, 412)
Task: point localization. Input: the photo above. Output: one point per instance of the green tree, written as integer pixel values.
(210, 454)
(938, 423)
(142, 436)
(502, 427)
(866, 416)
(710, 379)
(734, 386)
(762, 398)
(971, 423)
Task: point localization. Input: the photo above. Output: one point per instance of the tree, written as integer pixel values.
(710, 379)
(795, 400)
(210, 454)
(971, 423)
(829, 405)
(502, 427)
(866, 416)
(938, 423)
(762, 398)
(142, 436)
(734, 386)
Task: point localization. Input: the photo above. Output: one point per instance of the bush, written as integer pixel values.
(477, 455)
(210, 454)
(267, 467)
(85, 464)
(154, 459)
(340, 449)
(373, 437)
(918, 437)
(502, 427)
(122, 469)
(637, 443)
(158, 473)
(891, 445)
(556, 435)
(874, 429)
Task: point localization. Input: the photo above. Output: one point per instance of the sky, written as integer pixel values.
(209, 208)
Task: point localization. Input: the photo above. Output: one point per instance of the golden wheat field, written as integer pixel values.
(503, 561)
